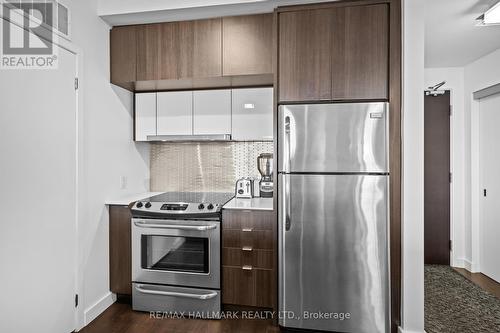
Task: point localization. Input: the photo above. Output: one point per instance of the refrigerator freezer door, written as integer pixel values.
(333, 138)
(333, 245)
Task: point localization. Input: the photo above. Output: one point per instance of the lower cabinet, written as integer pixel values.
(249, 258)
(248, 287)
(120, 250)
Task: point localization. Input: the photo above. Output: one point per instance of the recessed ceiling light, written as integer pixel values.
(491, 16)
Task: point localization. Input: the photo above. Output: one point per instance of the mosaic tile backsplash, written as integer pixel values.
(204, 166)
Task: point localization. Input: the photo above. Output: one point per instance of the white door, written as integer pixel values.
(38, 141)
(490, 166)
(212, 112)
(145, 116)
(175, 113)
(252, 116)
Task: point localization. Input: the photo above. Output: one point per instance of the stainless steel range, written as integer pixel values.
(176, 252)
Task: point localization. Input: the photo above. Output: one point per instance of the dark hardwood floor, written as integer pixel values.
(481, 280)
(119, 318)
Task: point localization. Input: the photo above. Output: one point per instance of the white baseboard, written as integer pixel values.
(401, 330)
(93, 311)
(468, 265)
(463, 263)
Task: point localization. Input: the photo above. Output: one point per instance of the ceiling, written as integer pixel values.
(451, 37)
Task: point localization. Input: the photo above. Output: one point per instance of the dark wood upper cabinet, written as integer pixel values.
(123, 54)
(305, 55)
(334, 53)
(185, 49)
(247, 45)
(207, 48)
(169, 57)
(360, 52)
(188, 54)
(148, 51)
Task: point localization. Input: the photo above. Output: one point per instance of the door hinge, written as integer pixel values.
(451, 177)
(451, 245)
(76, 300)
(484, 192)
(76, 83)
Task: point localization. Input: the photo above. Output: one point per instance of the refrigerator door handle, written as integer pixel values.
(286, 145)
(286, 202)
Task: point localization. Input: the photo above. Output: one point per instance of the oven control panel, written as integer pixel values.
(177, 209)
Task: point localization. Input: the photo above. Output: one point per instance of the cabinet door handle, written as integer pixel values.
(247, 268)
(247, 248)
(247, 229)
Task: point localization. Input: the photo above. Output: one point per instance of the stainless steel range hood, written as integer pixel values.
(189, 138)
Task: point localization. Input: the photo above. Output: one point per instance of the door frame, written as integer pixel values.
(454, 261)
(476, 184)
(79, 260)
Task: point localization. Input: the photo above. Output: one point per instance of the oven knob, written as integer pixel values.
(210, 207)
(201, 206)
(147, 205)
(139, 204)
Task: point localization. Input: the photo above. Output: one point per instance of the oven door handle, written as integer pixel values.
(176, 294)
(176, 226)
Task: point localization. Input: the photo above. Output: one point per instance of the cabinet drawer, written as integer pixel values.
(257, 239)
(244, 219)
(247, 256)
(250, 287)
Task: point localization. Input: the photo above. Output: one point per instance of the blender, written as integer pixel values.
(265, 166)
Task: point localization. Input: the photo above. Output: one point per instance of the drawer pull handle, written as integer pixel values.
(247, 248)
(247, 268)
(247, 229)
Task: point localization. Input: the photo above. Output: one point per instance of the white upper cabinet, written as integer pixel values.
(175, 113)
(252, 118)
(145, 116)
(212, 112)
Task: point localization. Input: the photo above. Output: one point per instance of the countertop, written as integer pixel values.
(127, 199)
(250, 204)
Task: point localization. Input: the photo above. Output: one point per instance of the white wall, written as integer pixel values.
(413, 167)
(480, 74)
(107, 152)
(454, 77)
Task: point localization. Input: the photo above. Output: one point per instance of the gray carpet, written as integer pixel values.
(454, 304)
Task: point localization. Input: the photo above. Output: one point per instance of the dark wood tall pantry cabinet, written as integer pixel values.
(347, 51)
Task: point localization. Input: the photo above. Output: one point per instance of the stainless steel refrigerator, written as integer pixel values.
(333, 187)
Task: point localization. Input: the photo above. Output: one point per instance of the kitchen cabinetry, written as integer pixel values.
(360, 52)
(193, 54)
(120, 250)
(123, 55)
(175, 113)
(169, 60)
(212, 112)
(334, 53)
(248, 44)
(145, 116)
(249, 258)
(304, 55)
(206, 48)
(252, 114)
(148, 47)
(246, 114)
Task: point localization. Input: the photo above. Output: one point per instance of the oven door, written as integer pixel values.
(176, 252)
